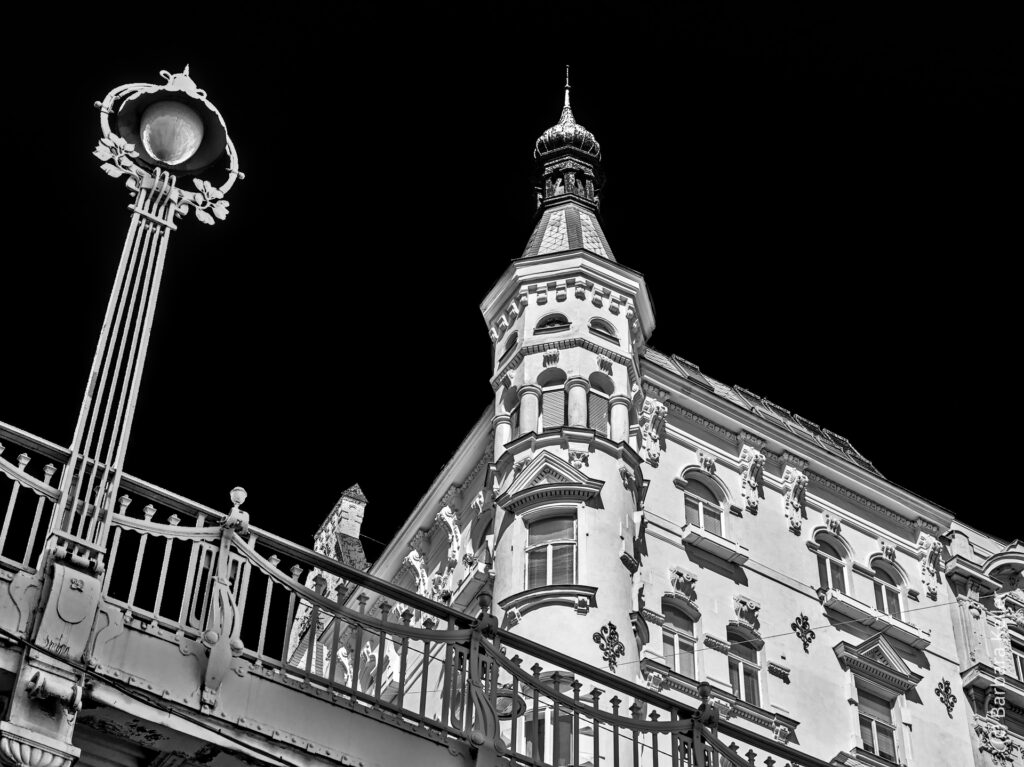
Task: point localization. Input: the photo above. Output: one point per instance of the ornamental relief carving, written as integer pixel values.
(746, 610)
(995, 740)
(652, 420)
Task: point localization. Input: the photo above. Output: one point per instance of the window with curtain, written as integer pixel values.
(744, 668)
(551, 552)
(552, 410)
(702, 509)
(678, 641)
(887, 592)
(877, 732)
(597, 412)
(831, 568)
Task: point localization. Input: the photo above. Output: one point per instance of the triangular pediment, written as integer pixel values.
(876, 659)
(546, 476)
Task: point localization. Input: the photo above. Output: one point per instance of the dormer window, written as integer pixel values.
(604, 329)
(887, 593)
(552, 323)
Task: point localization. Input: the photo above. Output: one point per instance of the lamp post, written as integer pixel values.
(162, 140)
(172, 148)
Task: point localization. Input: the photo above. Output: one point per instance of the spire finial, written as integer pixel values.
(567, 85)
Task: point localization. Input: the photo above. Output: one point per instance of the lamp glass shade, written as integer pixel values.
(171, 131)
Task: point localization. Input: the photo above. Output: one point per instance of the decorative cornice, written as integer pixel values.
(729, 436)
(867, 503)
(777, 669)
(505, 371)
(717, 644)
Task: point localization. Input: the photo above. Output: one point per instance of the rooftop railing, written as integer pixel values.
(192, 573)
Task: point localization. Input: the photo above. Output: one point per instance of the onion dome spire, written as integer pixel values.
(569, 160)
(568, 189)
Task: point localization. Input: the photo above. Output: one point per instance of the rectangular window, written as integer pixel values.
(702, 514)
(1018, 660)
(831, 574)
(876, 725)
(553, 408)
(887, 600)
(551, 552)
(678, 642)
(744, 673)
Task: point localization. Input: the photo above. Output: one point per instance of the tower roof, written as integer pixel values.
(566, 227)
(567, 133)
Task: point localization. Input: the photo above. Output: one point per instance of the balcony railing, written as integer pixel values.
(245, 597)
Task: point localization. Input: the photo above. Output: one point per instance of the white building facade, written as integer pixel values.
(630, 511)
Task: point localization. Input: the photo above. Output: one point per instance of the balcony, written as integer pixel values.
(894, 628)
(715, 545)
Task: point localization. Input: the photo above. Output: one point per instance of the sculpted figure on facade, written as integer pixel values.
(417, 562)
(449, 520)
(706, 461)
(752, 477)
(652, 420)
(931, 560)
(794, 485)
(995, 740)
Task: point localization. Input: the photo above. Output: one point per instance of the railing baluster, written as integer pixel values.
(379, 671)
(514, 737)
(556, 719)
(147, 513)
(23, 460)
(339, 598)
(654, 740)
(122, 508)
(296, 571)
(174, 519)
(274, 560)
(576, 685)
(534, 747)
(447, 682)
(634, 710)
(595, 696)
(358, 653)
(243, 589)
(186, 597)
(615, 701)
(424, 675)
(402, 658)
(48, 472)
(675, 739)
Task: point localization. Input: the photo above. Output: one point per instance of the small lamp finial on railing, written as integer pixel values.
(237, 519)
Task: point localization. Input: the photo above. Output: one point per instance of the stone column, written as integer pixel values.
(576, 390)
(619, 417)
(502, 433)
(529, 408)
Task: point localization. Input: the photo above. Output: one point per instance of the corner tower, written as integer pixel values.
(568, 324)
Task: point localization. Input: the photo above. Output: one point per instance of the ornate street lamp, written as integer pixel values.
(172, 148)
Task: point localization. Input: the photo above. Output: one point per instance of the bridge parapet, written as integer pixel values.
(193, 632)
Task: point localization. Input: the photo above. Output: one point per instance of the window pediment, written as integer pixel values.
(875, 660)
(547, 478)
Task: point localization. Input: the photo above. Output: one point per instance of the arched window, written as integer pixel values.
(744, 668)
(552, 323)
(887, 591)
(604, 329)
(510, 344)
(702, 509)
(553, 401)
(679, 638)
(831, 567)
(551, 552)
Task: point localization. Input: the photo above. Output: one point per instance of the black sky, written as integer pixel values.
(826, 210)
